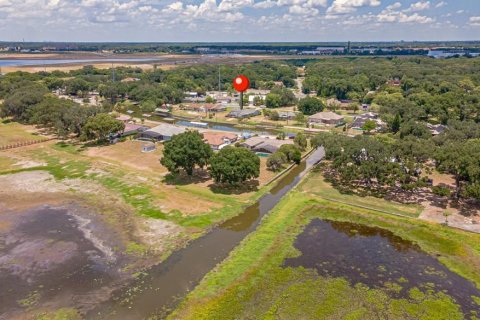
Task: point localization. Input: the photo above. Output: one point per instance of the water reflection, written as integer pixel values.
(173, 278)
(375, 256)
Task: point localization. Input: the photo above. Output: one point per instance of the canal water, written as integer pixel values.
(376, 257)
(171, 280)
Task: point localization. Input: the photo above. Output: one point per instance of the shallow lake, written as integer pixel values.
(49, 256)
(46, 62)
(375, 256)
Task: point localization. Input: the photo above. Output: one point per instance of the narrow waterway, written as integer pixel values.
(171, 280)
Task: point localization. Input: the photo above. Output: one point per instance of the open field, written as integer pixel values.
(255, 283)
(13, 132)
(127, 192)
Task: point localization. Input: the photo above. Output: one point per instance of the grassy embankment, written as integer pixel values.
(145, 191)
(251, 284)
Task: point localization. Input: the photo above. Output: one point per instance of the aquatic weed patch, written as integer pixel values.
(252, 283)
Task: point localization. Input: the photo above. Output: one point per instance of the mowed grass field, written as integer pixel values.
(13, 132)
(253, 284)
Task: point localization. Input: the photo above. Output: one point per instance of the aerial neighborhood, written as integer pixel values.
(339, 182)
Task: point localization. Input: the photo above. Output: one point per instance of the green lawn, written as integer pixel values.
(251, 284)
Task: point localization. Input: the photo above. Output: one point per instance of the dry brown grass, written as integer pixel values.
(129, 154)
(13, 132)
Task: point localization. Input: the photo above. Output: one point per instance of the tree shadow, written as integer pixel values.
(467, 208)
(182, 178)
(240, 188)
(67, 145)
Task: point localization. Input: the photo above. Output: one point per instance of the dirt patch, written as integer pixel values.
(157, 234)
(434, 212)
(441, 178)
(129, 153)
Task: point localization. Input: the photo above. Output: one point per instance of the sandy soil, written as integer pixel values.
(166, 61)
(435, 213)
(462, 215)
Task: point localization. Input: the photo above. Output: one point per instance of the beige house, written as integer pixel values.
(326, 118)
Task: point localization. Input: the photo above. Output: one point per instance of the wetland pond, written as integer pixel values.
(376, 257)
(51, 257)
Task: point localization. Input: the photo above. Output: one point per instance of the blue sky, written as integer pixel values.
(239, 20)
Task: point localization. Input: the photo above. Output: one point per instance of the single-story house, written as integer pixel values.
(326, 118)
(436, 129)
(286, 115)
(162, 112)
(223, 100)
(131, 128)
(203, 107)
(342, 104)
(218, 140)
(245, 113)
(162, 132)
(360, 120)
(259, 144)
(201, 99)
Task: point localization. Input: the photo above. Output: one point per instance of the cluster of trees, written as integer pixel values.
(417, 88)
(310, 105)
(27, 97)
(232, 165)
(383, 162)
(366, 163)
(31, 102)
(280, 97)
(288, 153)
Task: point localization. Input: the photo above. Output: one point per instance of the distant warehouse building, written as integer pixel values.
(326, 118)
(162, 132)
(245, 113)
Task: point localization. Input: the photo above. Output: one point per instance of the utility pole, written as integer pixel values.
(219, 83)
(113, 73)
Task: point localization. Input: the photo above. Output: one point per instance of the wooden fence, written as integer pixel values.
(24, 144)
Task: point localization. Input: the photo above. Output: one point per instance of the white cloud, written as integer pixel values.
(474, 21)
(265, 4)
(418, 6)
(440, 4)
(390, 15)
(232, 5)
(348, 6)
(394, 6)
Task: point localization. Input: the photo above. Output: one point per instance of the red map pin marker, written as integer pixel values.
(241, 83)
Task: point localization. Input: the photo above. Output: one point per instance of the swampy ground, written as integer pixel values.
(111, 210)
(313, 258)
